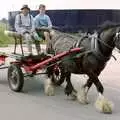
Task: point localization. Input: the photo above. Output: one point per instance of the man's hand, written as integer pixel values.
(25, 31)
(43, 28)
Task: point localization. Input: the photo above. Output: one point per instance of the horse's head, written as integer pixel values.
(109, 34)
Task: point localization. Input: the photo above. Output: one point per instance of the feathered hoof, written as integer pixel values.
(104, 106)
(71, 97)
(82, 96)
(82, 100)
(49, 88)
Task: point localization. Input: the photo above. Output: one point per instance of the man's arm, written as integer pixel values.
(49, 22)
(33, 26)
(36, 23)
(18, 28)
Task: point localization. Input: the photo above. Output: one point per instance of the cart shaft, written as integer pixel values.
(52, 59)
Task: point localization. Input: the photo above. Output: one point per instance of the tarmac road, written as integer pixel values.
(32, 104)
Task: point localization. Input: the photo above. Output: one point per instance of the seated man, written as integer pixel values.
(24, 26)
(43, 26)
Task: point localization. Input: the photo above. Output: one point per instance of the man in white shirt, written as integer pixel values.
(24, 26)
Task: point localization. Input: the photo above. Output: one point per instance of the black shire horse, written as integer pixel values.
(98, 50)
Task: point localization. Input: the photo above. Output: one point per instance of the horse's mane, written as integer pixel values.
(106, 25)
(66, 34)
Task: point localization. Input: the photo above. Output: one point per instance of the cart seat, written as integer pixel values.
(31, 58)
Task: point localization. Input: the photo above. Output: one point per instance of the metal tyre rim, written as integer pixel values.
(57, 74)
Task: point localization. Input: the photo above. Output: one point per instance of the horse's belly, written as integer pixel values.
(78, 72)
(76, 69)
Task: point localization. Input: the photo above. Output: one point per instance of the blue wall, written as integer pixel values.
(74, 20)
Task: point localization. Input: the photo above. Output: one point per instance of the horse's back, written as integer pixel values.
(64, 42)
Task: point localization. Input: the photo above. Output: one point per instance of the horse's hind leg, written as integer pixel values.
(82, 92)
(102, 104)
(69, 90)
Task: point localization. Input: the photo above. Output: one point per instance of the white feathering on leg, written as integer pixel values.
(82, 96)
(103, 105)
(49, 88)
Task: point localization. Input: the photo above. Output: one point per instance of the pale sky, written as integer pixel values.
(13, 5)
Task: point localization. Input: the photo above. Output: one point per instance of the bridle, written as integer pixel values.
(116, 37)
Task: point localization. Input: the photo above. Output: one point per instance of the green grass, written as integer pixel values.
(4, 40)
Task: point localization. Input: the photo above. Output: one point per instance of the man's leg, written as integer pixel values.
(37, 45)
(37, 39)
(47, 38)
(28, 41)
(52, 33)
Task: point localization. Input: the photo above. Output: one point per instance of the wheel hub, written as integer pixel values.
(14, 78)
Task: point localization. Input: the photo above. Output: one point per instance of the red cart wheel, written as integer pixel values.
(15, 78)
(58, 75)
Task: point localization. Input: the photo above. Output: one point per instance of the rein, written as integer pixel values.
(105, 43)
(117, 33)
(100, 40)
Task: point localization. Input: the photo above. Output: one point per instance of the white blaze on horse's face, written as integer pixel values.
(118, 34)
(117, 40)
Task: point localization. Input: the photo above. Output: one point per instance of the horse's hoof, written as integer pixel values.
(74, 95)
(49, 90)
(71, 97)
(82, 97)
(104, 106)
(83, 101)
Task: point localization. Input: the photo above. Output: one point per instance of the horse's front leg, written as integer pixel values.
(102, 104)
(49, 86)
(69, 90)
(83, 91)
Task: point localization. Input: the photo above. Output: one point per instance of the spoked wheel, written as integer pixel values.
(58, 75)
(15, 78)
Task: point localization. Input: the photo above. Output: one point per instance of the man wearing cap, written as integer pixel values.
(24, 26)
(43, 25)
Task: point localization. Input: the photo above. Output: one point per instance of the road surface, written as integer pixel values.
(32, 104)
